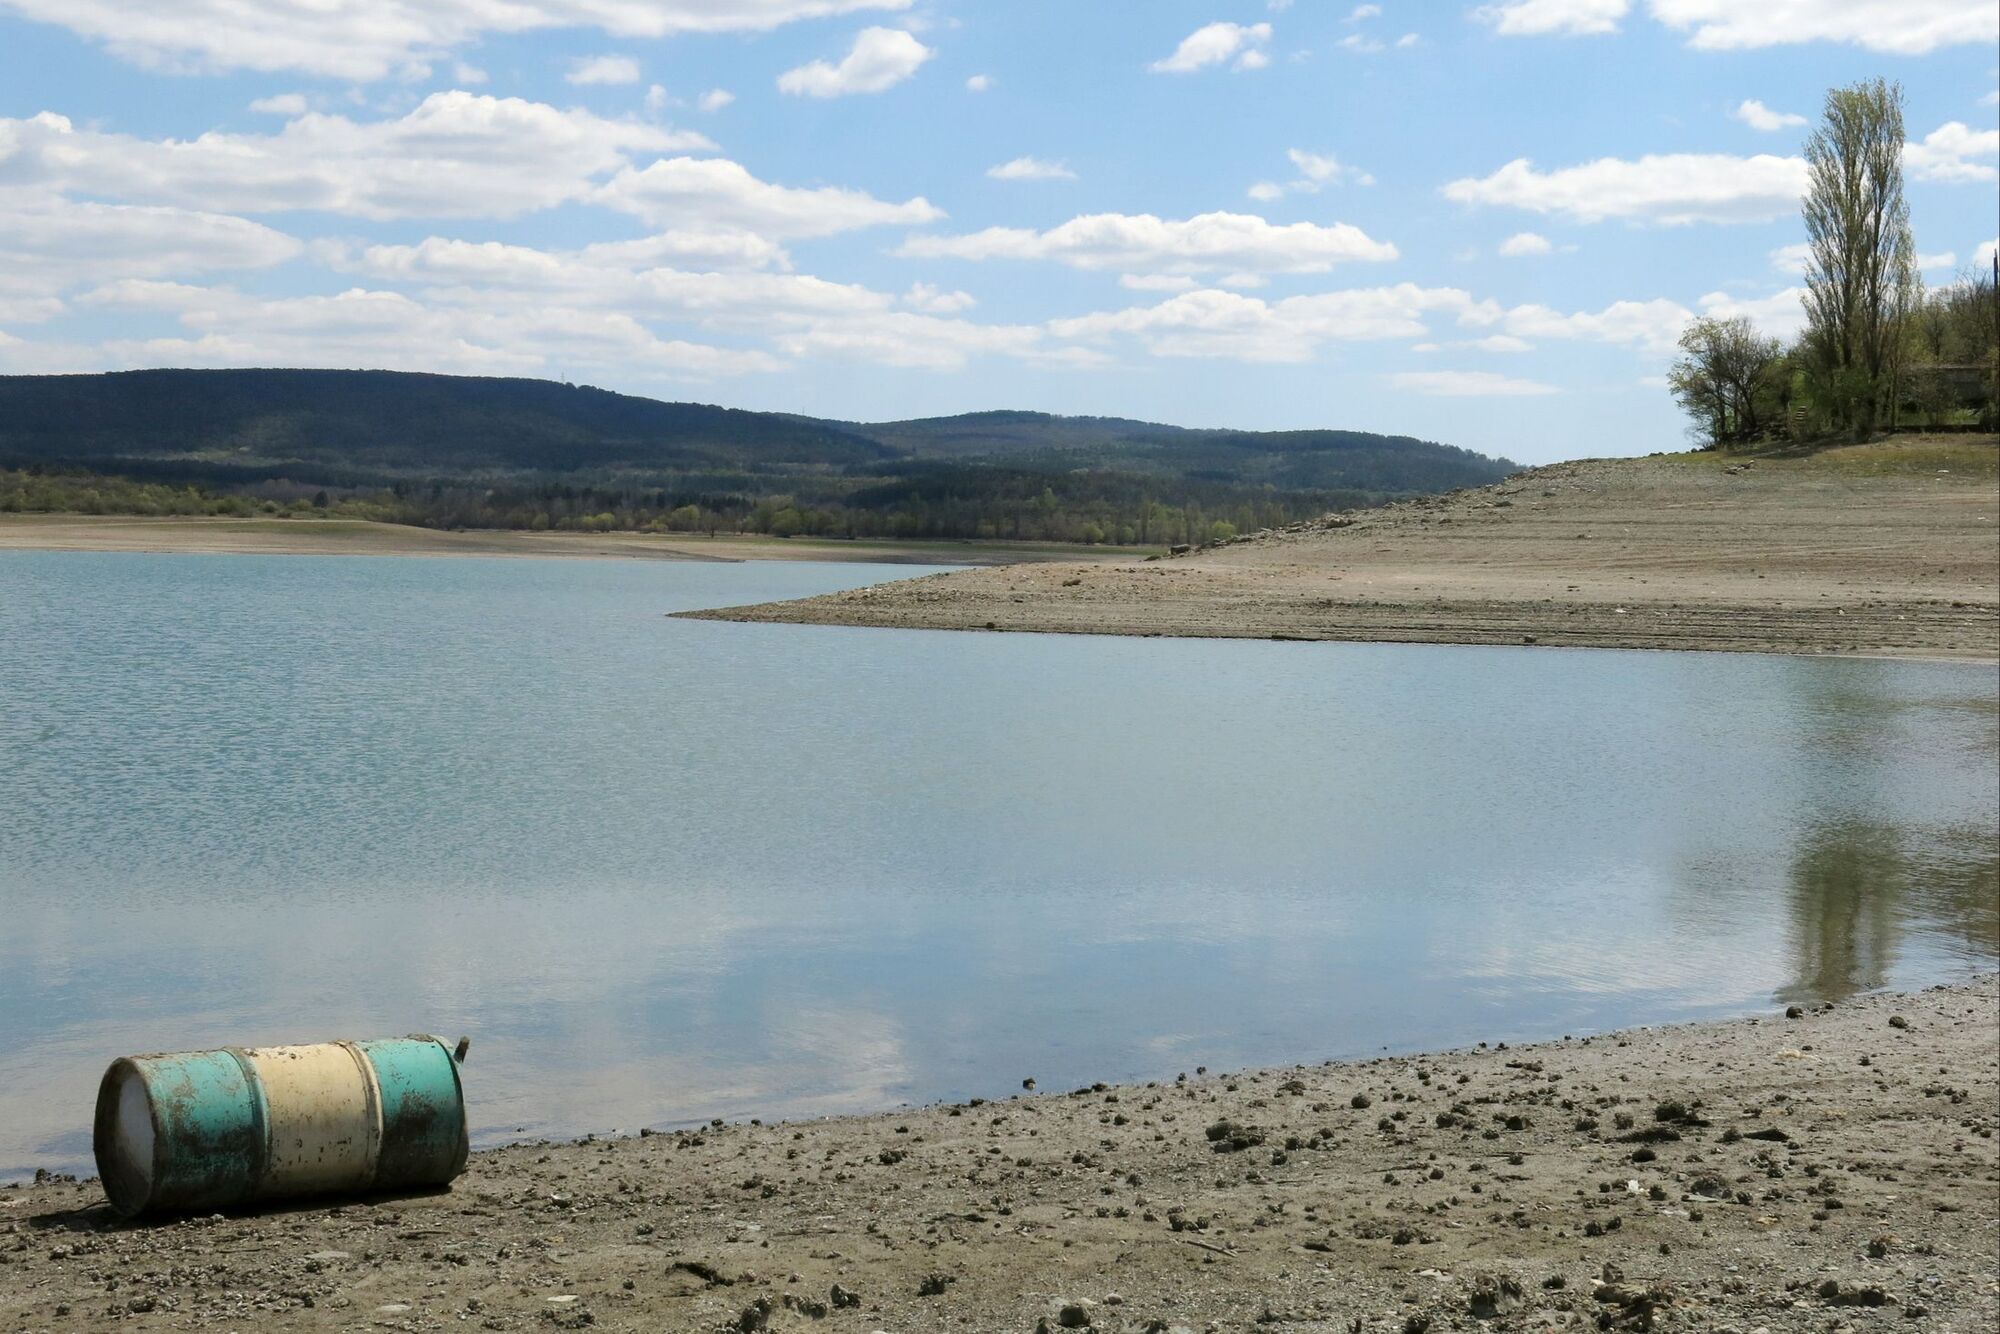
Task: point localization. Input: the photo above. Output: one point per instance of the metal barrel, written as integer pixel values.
(199, 1130)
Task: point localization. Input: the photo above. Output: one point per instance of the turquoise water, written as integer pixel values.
(663, 870)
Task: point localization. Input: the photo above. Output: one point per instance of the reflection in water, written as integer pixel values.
(666, 870)
(1857, 888)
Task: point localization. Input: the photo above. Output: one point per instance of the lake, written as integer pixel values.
(665, 870)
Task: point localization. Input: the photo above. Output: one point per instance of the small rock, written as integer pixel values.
(1897, 1021)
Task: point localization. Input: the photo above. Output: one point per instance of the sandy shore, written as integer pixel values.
(1889, 549)
(356, 537)
(1832, 1171)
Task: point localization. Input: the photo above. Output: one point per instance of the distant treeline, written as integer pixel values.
(935, 501)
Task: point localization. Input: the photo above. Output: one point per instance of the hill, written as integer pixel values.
(461, 451)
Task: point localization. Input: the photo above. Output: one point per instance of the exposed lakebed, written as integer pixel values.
(663, 870)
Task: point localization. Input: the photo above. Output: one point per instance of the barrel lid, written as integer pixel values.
(124, 1135)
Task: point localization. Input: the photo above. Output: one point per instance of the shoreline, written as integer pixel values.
(1790, 1173)
(361, 537)
(1864, 550)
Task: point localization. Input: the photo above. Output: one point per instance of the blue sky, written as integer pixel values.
(1482, 224)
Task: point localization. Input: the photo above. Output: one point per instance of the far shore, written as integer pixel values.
(359, 537)
(1826, 1167)
(1888, 549)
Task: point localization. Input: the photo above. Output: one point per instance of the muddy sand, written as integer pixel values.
(1889, 548)
(1832, 1171)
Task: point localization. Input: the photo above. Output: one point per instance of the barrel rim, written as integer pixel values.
(128, 1192)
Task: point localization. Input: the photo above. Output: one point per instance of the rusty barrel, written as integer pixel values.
(204, 1129)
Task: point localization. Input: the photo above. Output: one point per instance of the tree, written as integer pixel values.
(1724, 370)
(1860, 279)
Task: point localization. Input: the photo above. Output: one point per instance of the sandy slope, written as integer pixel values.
(1836, 1171)
(1891, 548)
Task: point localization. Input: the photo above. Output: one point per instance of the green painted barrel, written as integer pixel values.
(199, 1130)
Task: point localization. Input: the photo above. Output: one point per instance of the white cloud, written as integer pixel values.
(880, 59)
(50, 246)
(1031, 169)
(979, 83)
(603, 70)
(1760, 117)
(1647, 326)
(1157, 282)
(1364, 12)
(1933, 263)
(1897, 27)
(1255, 58)
(1669, 189)
(1952, 153)
(1408, 40)
(1143, 243)
(1214, 44)
(281, 104)
(717, 194)
(1991, 99)
(370, 39)
(1506, 343)
(715, 99)
(464, 73)
(1792, 258)
(1467, 384)
(657, 99)
(1982, 258)
(1570, 18)
(923, 342)
(936, 301)
(363, 328)
(1211, 323)
(1366, 45)
(456, 154)
(1316, 171)
(1780, 315)
(1525, 243)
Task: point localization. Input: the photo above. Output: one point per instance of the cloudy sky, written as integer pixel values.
(1482, 224)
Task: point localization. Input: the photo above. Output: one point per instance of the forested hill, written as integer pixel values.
(466, 451)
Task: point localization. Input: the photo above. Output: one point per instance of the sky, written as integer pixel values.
(1483, 224)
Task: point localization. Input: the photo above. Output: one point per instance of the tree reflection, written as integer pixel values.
(1857, 887)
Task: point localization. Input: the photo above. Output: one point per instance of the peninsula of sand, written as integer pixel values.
(1889, 548)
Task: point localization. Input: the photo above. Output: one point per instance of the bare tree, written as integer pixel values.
(1861, 277)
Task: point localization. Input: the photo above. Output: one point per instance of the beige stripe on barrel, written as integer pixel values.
(324, 1116)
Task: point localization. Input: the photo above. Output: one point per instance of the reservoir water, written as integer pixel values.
(665, 870)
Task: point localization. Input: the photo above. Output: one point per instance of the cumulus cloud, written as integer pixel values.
(1760, 117)
(1506, 343)
(1031, 169)
(1570, 18)
(715, 99)
(366, 328)
(51, 244)
(593, 70)
(880, 59)
(979, 83)
(1315, 172)
(1780, 315)
(1143, 243)
(1646, 326)
(1954, 154)
(281, 104)
(456, 154)
(1525, 243)
(1898, 27)
(1670, 189)
(1211, 323)
(937, 301)
(715, 193)
(1215, 43)
(1467, 384)
(371, 39)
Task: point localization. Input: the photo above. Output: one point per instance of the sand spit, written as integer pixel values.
(1891, 549)
(1831, 1171)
